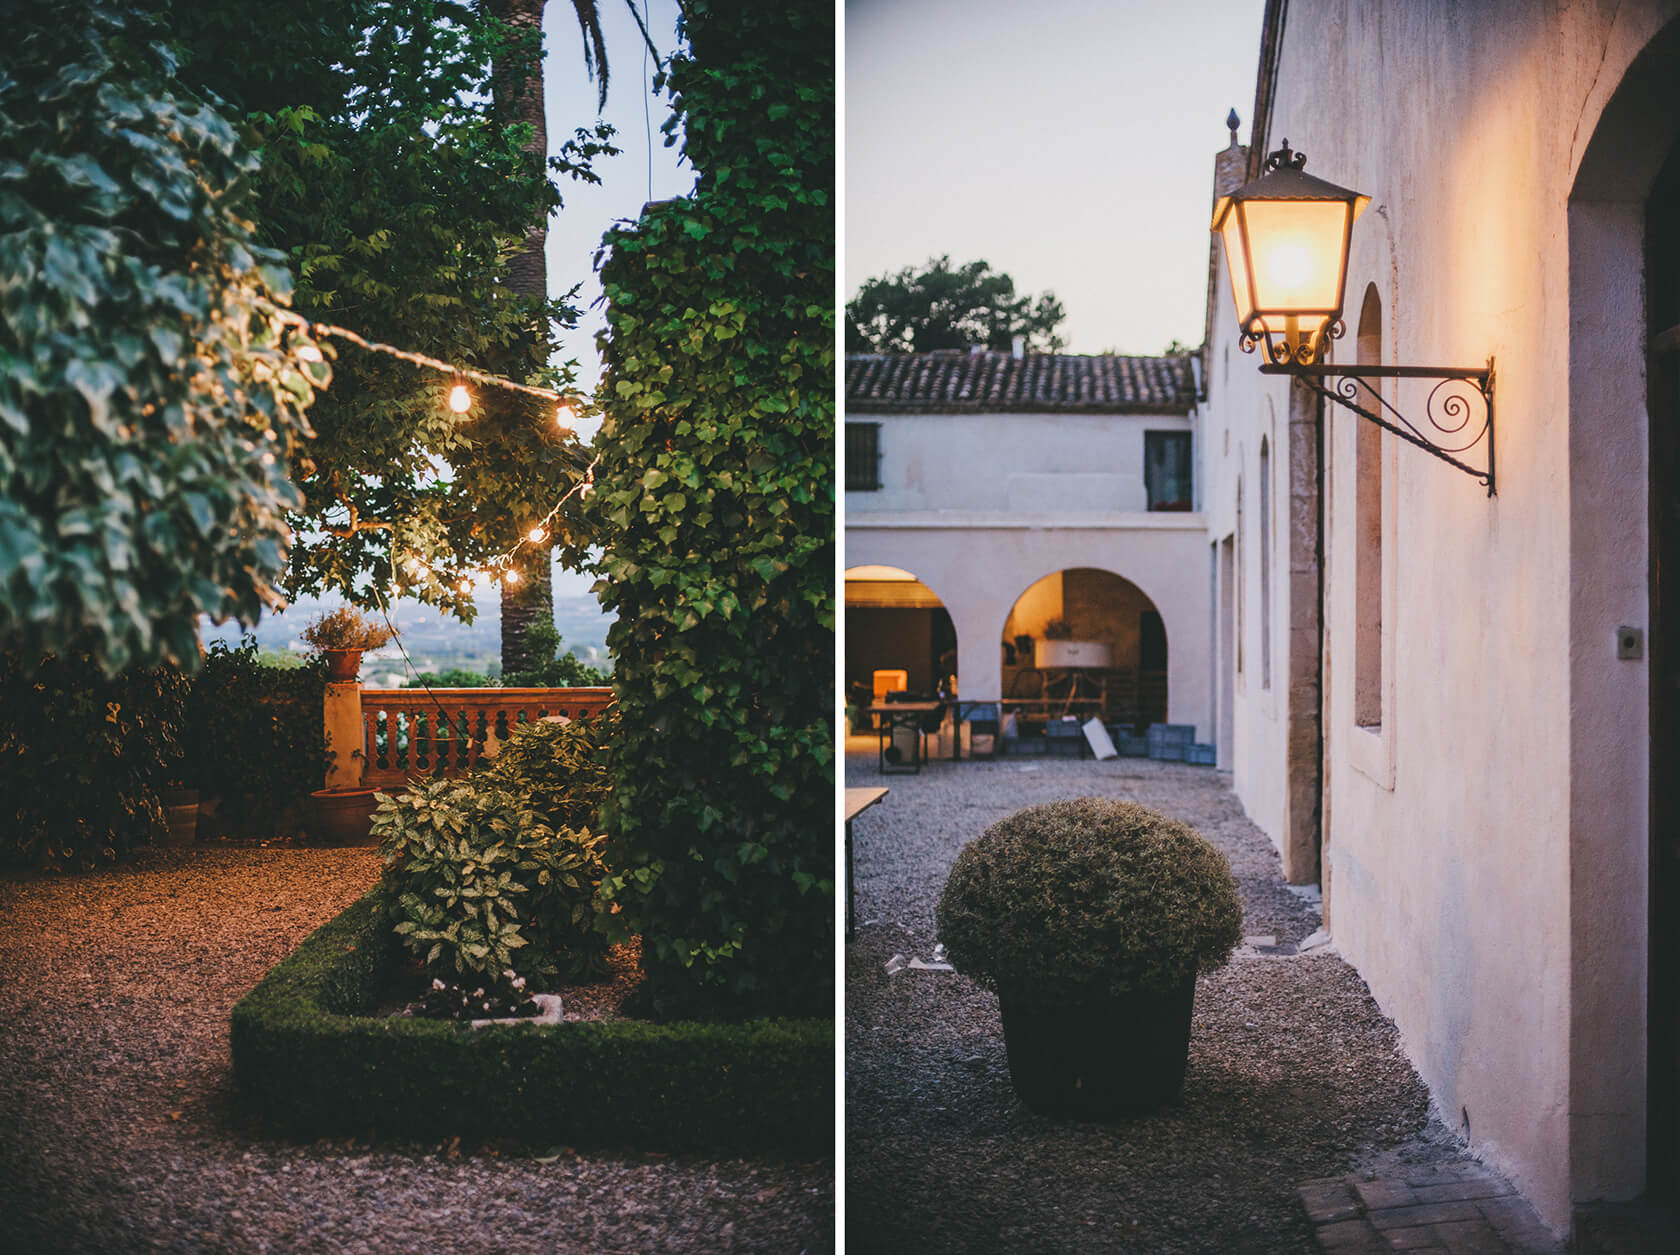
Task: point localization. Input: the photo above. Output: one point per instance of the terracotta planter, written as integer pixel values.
(344, 816)
(180, 810)
(1101, 1061)
(343, 664)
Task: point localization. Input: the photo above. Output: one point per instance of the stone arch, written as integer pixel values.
(1118, 652)
(1615, 1074)
(895, 621)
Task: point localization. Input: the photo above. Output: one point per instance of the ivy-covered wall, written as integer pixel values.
(714, 499)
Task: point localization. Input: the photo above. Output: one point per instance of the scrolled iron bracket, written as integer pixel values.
(1451, 407)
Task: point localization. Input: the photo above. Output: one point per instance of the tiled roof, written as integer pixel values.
(958, 381)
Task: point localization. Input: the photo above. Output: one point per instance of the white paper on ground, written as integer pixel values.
(1097, 735)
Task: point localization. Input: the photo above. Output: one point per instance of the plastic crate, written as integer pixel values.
(1201, 755)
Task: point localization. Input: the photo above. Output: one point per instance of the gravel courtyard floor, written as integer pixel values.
(1294, 1073)
(119, 1130)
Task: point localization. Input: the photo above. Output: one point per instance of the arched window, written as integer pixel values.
(1368, 536)
(1265, 563)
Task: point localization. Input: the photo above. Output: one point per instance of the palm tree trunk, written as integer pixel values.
(531, 600)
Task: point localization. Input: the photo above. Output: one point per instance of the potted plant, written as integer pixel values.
(1090, 918)
(341, 635)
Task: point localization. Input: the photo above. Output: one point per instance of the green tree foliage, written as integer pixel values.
(715, 501)
(401, 198)
(150, 406)
(941, 307)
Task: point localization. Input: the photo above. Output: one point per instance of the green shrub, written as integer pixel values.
(561, 671)
(308, 1056)
(479, 886)
(254, 734)
(1078, 900)
(83, 758)
(453, 678)
(560, 768)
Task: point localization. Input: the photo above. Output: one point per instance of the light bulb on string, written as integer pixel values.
(536, 535)
(460, 400)
(510, 577)
(466, 586)
(565, 416)
(308, 353)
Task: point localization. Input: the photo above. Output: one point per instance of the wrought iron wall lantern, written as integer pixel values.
(1286, 240)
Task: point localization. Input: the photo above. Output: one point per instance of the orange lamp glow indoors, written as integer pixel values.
(1286, 238)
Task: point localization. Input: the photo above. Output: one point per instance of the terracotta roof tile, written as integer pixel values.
(960, 381)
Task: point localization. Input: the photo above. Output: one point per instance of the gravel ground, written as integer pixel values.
(119, 1130)
(1294, 1073)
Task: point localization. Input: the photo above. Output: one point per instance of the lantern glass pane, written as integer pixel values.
(1298, 248)
(1234, 259)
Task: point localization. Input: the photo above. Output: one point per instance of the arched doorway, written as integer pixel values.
(1085, 641)
(898, 635)
(1624, 358)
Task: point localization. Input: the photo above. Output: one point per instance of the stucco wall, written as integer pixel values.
(1016, 463)
(1483, 841)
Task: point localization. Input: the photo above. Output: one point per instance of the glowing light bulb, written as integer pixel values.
(511, 578)
(536, 535)
(460, 400)
(466, 586)
(308, 353)
(565, 416)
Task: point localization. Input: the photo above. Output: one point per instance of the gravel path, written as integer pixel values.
(119, 1131)
(1294, 1073)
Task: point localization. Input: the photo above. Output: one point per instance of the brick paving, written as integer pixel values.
(1462, 1208)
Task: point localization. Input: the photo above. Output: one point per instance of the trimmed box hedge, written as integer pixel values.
(308, 1058)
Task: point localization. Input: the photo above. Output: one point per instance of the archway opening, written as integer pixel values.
(1084, 641)
(899, 636)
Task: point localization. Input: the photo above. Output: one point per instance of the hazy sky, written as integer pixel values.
(574, 234)
(1069, 143)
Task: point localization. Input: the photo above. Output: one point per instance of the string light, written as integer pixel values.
(460, 400)
(536, 535)
(511, 577)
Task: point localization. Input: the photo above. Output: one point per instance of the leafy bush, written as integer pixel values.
(83, 758)
(561, 671)
(1078, 900)
(714, 504)
(254, 735)
(308, 1055)
(479, 886)
(560, 768)
(453, 678)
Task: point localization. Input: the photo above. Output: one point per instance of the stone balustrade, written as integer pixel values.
(413, 732)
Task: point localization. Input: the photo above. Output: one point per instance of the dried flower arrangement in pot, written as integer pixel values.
(1090, 919)
(341, 635)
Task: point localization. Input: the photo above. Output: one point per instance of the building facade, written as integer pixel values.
(1457, 712)
(1020, 489)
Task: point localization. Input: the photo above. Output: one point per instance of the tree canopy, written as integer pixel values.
(151, 401)
(401, 197)
(946, 307)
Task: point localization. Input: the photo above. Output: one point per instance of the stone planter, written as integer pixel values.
(1101, 1061)
(344, 816)
(343, 665)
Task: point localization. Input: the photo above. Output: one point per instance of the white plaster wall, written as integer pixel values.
(979, 564)
(1015, 463)
(1462, 892)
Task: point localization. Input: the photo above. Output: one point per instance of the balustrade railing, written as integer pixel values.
(447, 732)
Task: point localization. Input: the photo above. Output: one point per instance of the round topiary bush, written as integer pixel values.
(1081, 900)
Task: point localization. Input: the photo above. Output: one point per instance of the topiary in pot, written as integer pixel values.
(1090, 918)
